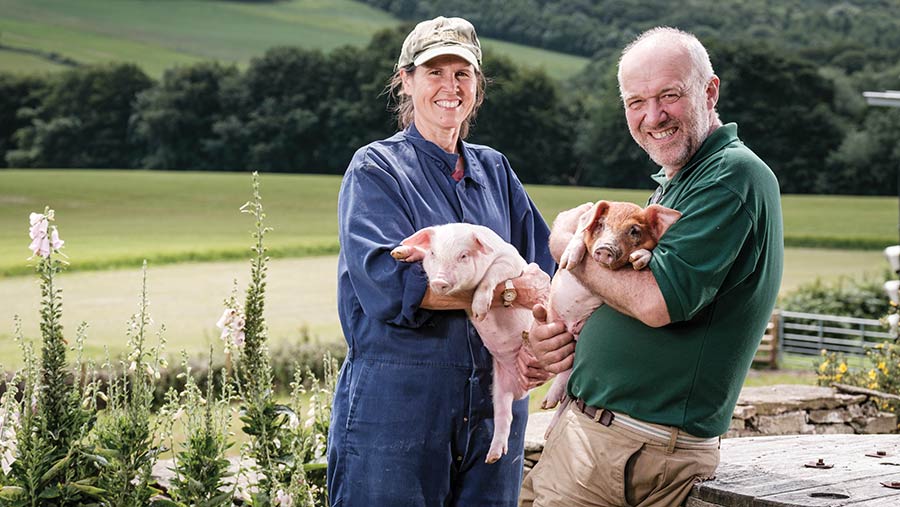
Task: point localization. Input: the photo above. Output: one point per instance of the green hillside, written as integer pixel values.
(160, 34)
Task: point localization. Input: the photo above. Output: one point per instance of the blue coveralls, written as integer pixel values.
(412, 418)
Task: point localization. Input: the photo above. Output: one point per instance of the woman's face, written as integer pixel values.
(443, 93)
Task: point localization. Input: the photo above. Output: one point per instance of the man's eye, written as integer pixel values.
(669, 98)
(635, 104)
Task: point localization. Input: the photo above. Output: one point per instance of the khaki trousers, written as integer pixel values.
(587, 464)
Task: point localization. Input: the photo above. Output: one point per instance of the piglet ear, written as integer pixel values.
(480, 244)
(659, 219)
(597, 212)
(421, 239)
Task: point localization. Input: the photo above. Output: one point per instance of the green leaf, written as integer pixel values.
(87, 490)
(11, 492)
(307, 467)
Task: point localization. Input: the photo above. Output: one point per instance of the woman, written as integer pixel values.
(412, 417)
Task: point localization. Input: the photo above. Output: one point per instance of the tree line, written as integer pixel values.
(299, 110)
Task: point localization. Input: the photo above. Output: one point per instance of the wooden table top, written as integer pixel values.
(771, 472)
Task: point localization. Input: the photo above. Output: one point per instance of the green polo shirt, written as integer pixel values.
(719, 269)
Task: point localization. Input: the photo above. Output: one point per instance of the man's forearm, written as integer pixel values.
(634, 293)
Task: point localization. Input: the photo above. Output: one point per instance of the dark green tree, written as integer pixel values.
(523, 117)
(16, 92)
(82, 120)
(173, 122)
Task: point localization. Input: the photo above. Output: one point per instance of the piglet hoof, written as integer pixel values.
(572, 255)
(400, 253)
(495, 454)
(640, 258)
(480, 307)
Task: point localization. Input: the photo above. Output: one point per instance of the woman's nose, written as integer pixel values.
(450, 83)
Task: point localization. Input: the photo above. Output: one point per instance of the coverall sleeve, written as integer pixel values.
(373, 218)
(698, 252)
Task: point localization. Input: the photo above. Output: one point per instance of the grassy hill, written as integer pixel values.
(159, 34)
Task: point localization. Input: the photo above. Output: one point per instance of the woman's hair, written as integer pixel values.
(403, 104)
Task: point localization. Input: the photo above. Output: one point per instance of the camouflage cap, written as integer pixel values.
(441, 36)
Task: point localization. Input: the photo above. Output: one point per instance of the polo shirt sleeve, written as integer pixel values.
(695, 255)
(372, 221)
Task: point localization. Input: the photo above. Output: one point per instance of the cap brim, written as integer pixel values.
(459, 51)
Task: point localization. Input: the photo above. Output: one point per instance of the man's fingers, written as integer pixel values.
(559, 360)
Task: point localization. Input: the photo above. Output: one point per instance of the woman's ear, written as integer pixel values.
(406, 78)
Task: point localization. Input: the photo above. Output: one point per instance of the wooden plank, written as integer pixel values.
(769, 471)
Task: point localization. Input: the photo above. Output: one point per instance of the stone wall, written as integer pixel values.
(806, 410)
(772, 410)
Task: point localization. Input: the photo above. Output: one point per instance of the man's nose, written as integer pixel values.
(656, 112)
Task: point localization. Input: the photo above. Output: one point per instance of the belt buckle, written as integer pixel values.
(604, 417)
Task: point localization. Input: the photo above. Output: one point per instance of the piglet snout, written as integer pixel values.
(606, 254)
(439, 286)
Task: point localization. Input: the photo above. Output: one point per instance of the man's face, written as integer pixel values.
(669, 113)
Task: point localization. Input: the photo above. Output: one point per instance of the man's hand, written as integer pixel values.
(550, 343)
(531, 373)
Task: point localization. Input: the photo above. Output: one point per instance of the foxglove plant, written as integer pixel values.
(126, 430)
(201, 468)
(52, 463)
(264, 420)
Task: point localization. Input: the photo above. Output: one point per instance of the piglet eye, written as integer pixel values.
(635, 232)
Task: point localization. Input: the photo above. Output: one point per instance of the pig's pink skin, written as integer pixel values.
(572, 303)
(470, 257)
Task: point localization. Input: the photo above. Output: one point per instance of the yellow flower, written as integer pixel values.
(842, 368)
(824, 366)
(883, 367)
(873, 374)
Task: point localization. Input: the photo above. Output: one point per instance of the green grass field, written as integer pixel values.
(117, 218)
(161, 34)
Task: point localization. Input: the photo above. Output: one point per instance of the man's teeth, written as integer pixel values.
(664, 134)
(448, 103)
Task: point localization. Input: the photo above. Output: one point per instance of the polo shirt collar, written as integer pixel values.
(721, 137)
(447, 160)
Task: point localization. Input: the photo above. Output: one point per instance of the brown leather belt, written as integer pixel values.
(600, 415)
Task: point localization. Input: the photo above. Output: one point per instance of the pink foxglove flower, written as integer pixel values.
(43, 239)
(232, 325)
(283, 499)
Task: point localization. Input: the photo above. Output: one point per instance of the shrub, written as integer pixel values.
(849, 297)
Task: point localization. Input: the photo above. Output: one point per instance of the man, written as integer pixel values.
(659, 367)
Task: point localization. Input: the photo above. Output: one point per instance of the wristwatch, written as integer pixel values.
(509, 293)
